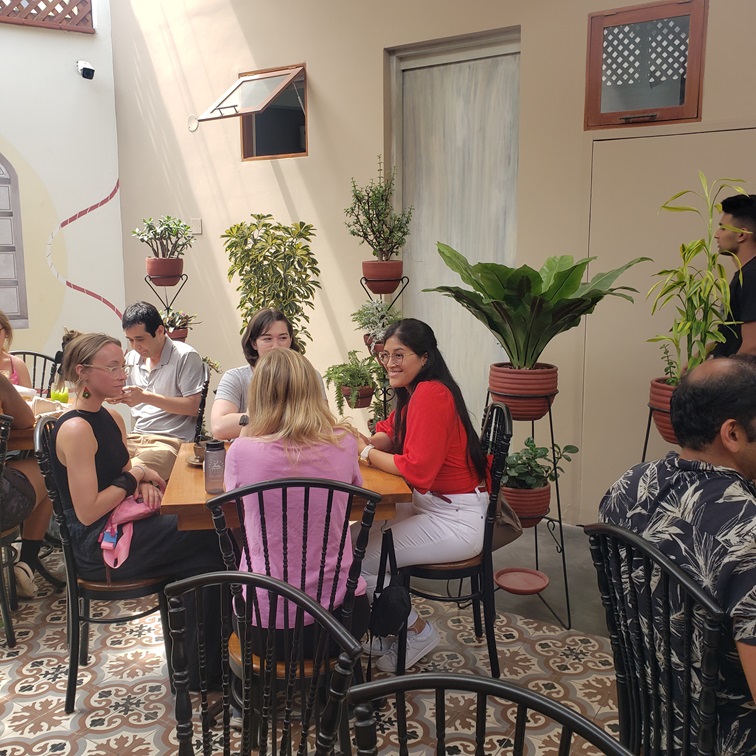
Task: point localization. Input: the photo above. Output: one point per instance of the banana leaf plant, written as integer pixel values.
(526, 308)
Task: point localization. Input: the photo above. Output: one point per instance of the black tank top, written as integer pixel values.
(110, 458)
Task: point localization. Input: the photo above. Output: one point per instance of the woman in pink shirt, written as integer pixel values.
(428, 440)
(292, 434)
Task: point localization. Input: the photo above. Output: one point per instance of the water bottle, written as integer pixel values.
(215, 466)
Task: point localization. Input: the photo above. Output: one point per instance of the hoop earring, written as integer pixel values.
(86, 393)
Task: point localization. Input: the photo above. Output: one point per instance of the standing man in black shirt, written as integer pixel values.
(739, 213)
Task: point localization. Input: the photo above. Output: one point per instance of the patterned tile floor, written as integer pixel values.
(124, 705)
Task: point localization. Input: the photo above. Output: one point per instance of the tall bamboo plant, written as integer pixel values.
(698, 286)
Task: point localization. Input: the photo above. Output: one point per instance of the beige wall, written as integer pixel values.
(58, 130)
(173, 59)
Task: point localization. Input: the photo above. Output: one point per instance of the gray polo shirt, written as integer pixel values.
(179, 373)
(234, 386)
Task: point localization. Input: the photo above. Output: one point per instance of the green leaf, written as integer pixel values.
(523, 308)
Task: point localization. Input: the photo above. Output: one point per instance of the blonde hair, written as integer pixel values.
(285, 402)
(5, 324)
(81, 349)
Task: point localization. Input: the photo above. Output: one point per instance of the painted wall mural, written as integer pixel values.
(72, 219)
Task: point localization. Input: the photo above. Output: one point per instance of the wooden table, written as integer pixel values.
(185, 495)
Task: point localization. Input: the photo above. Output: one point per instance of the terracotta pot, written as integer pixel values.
(177, 334)
(373, 347)
(164, 271)
(660, 395)
(382, 276)
(364, 396)
(527, 393)
(530, 504)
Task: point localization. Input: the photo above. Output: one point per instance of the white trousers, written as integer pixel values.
(429, 530)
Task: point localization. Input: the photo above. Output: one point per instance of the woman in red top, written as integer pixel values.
(428, 440)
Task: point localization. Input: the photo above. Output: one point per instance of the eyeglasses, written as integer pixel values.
(397, 357)
(125, 369)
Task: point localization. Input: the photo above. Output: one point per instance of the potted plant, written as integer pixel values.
(700, 290)
(524, 309)
(372, 219)
(354, 380)
(168, 238)
(374, 317)
(276, 268)
(526, 482)
(178, 323)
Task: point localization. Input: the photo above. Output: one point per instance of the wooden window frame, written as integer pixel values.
(300, 67)
(690, 110)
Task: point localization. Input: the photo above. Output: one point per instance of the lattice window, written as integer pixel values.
(68, 15)
(662, 45)
(646, 64)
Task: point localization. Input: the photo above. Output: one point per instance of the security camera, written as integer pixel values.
(85, 69)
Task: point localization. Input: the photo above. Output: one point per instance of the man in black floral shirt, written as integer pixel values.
(699, 508)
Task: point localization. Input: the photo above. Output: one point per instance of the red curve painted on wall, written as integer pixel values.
(66, 222)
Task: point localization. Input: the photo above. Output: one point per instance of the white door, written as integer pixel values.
(457, 151)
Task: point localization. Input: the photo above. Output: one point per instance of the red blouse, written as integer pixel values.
(435, 443)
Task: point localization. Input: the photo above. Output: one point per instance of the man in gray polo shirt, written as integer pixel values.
(163, 389)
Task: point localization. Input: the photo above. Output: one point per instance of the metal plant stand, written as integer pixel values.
(384, 393)
(554, 525)
(651, 410)
(404, 280)
(167, 305)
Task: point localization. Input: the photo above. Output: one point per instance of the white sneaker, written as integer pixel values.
(417, 647)
(25, 585)
(378, 645)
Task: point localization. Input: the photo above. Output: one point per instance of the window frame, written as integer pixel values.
(296, 69)
(291, 72)
(20, 317)
(690, 110)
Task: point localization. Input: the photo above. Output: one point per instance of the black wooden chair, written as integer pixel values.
(80, 592)
(666, 648)
(286, 713)
(466, 724)
(42, 369)
(495, 438)
(8, 536)
(325, 507)
(198, 435)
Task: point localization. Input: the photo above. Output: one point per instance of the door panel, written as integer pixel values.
(459, 172)
(631, 178)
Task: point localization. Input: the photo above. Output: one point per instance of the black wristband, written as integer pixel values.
(127, 482)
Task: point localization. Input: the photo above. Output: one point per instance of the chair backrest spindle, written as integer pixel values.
(665, 632)
(42, 369)
(458, 699)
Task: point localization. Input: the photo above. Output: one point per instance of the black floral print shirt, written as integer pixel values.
(703, 518)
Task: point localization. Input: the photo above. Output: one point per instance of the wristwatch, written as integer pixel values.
(244, 420)
(365, 453)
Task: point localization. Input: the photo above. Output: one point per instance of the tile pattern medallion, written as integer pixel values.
(124, 705)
